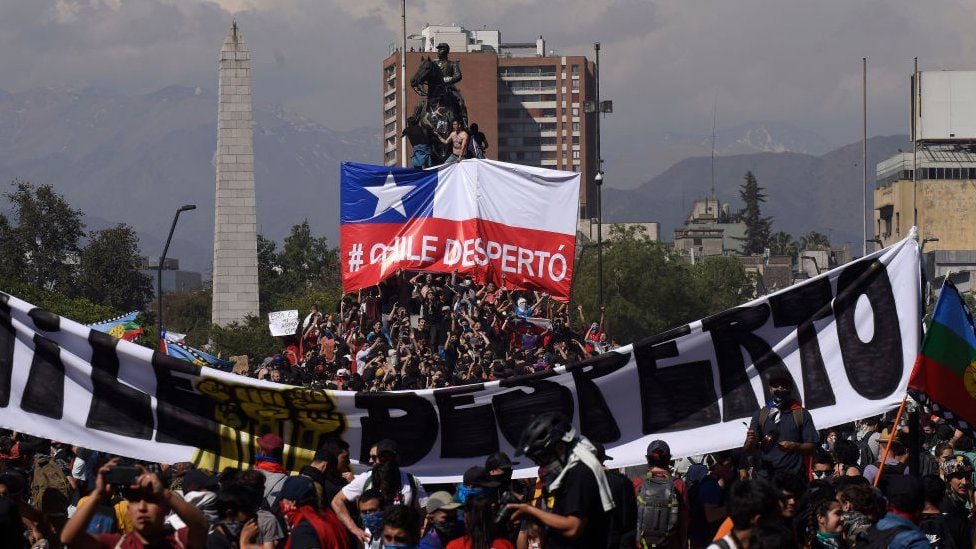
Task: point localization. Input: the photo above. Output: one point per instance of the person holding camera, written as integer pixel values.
(782, 432)
(149, 503)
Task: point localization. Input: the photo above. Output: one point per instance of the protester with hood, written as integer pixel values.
(899, 529)
(268, 461)
(309, 526)
(782, 432)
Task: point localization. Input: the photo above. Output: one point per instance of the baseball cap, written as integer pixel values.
(297, 488)
(441, 500)
(659, 449)
(478, 476)
(342, 372)
(499, 460)
(270, 441)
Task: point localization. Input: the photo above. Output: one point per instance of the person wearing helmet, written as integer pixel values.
(573, 481)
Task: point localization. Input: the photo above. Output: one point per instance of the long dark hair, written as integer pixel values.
(386, 481)
(478, 522)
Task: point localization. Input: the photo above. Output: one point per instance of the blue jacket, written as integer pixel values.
(910, 538)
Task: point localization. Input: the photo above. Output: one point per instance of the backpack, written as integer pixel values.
(865, 455)
(880, 539)
(658, 511)
(697, 471)
(414, 487)
(50, 490)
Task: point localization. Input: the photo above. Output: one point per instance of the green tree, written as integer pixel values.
(814, 240)
(45, 241)
(649, 289)
(782, 243)
(249, 337)
(109, 270)
(304, 271)
(78, 309)
(721, 283)
(758, 227)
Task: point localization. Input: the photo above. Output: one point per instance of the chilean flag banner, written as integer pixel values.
(505, 223)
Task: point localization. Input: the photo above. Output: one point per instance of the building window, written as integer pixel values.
(576, 155)
(575, 111)
(575, 140)
(575, 70)
(576, 126)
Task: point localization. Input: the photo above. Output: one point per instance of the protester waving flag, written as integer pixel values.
(944, 377)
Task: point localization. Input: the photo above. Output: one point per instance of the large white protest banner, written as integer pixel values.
(848, 337)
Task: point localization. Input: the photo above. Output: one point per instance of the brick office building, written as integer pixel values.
(529, 104)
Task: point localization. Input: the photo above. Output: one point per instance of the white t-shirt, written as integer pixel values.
(354, 489)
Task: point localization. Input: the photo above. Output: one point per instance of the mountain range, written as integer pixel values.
(137, 158)
(804, 192)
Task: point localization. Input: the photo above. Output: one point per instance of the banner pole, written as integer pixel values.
(891, 438)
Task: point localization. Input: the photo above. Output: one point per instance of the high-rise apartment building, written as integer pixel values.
(529, 103)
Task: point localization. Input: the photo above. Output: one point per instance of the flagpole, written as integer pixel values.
(891, 438)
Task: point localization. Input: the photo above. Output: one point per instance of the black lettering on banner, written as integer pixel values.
(7, 339)
(183, 415)
(465, 432)
(677, 397)
(44, 392)
(415, 432)
(45, 320)
(732, 331)
(515, 409)
(874, 367)
(800, 307)
(115, 407)
(596, 420)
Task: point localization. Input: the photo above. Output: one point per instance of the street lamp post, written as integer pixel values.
(159, 268)
(599, 239)
(599, 184)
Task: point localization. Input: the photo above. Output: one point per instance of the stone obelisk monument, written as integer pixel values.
(235, 266)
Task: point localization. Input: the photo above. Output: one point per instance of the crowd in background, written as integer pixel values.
(52, 493)
(419, 331)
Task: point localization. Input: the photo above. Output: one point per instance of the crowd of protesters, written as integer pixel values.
(419, 331)
(836, 493)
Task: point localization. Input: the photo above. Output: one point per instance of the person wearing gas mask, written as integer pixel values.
(782, 432)
(574, 484)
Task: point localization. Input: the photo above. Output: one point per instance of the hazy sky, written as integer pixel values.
(664, 63)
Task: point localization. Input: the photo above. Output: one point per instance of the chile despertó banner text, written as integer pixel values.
(849, 338)
(504, 223)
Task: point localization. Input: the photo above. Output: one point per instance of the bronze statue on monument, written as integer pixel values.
(441, 102)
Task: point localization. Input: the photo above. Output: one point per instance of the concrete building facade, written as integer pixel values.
(530, 105)
(235, 266)
(945, 195)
